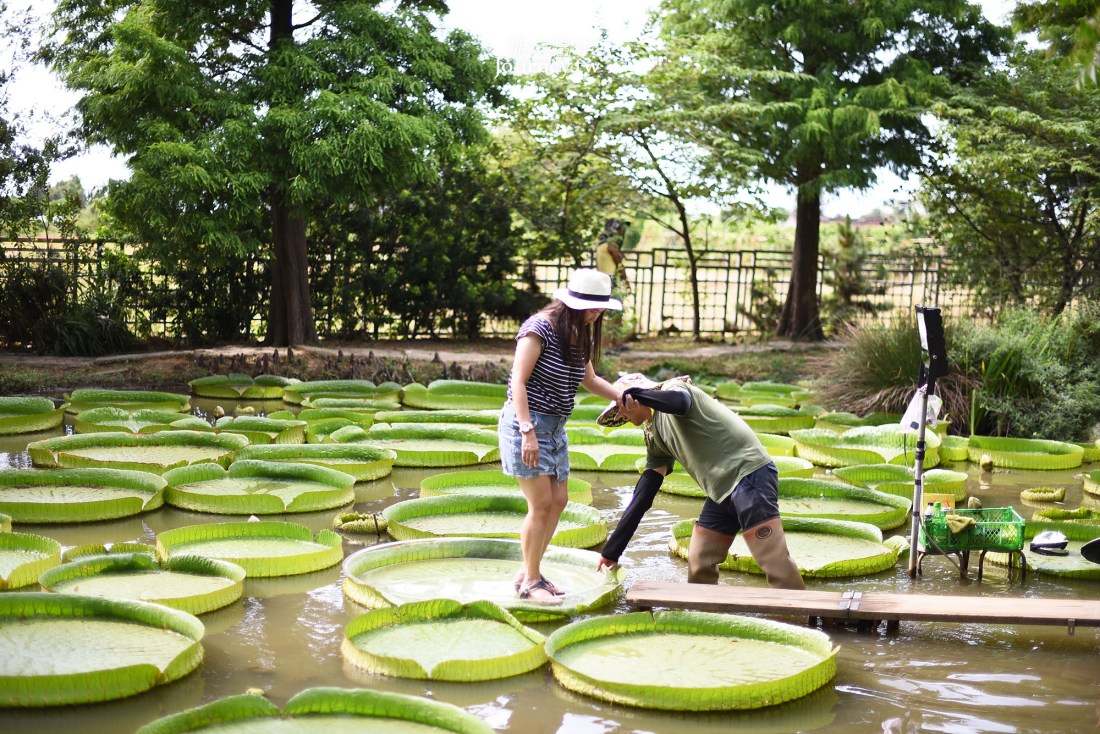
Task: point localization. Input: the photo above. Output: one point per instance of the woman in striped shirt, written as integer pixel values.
(557, 349)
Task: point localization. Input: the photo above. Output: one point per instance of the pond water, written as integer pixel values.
(285, 634)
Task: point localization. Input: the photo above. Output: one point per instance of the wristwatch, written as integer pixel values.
(526, 427)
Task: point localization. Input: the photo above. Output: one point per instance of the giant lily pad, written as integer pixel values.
(464, 417)
(5, 523)
(60, 649)
(1026, 453)
(24, 557)
(488, 515)
(690, 661)
(258, 487)
(898, 480)
(1084, 515)
(838, 501)
(361, 461)
(777, 445)
(191, 584)
(765, 418)
(356, 405)
(151, 452)
(455, 395)
(261, 548)
(471, 569)
(427, 445)
(127, 421)
(679, 482)
(87, 399)
(821, 548)
(493, 481)
(868, 445)
(1072, 565)
(443, 639)
(1091, 450)
(1092, 482)
(332, 710)
(77, 495)
(263, 430)
(28, 415)
(299, 392)
(839, 422)
(955, 448)
(237, 386)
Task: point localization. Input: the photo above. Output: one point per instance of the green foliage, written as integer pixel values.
(1026, 375)
(847, 272)
(1071, 28)
(1013, 199)
(825, 93)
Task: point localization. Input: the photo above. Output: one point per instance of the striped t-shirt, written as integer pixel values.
(552, 386)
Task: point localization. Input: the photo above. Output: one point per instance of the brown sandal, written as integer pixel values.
(540, 585)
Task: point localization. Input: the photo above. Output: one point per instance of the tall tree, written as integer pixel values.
(828, 91)
(1071, 27)
(1015, 197)
(239, 117)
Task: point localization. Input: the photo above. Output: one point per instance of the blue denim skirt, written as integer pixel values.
(553, 445)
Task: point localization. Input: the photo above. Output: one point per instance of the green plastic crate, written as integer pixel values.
(995, 528)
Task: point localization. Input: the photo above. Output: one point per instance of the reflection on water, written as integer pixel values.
(285, 635)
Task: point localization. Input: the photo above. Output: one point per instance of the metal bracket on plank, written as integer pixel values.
(850, 600)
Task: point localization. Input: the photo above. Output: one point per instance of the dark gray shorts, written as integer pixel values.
(755, 500)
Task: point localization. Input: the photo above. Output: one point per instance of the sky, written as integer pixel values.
(510, 29)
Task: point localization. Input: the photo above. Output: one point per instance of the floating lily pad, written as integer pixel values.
(455, 395)
(690, 661)
(766, 418)
(493, 481)
(868, 445)
(261, 548)
(427, 445)
(332, 710)
(299, 392)
(5, 523)
(258, 487)
(839, 422)
(488, 515)
(955, 448)
(260, 430)
(357, 405)
(361, 461)
(363, 523)
(151, 452)
(1043, 494)
(58, 649)
(1092, 482)
(837, 501)
(23, 558)
(777, 445)
(1091, 450)
(191, 584)
(1072, 565)
(314, 416)
(237, 386)
(605, 456)
(1084, 515)
(128, 421)
(1026, 453)
(87, 399)
(29, 415)
(465, 417)
(443, 639)
(77, 495)
(471, 569)
(898, 480)
(820, 548)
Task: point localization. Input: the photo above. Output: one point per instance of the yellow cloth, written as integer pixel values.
(605, 261)
(958, 523)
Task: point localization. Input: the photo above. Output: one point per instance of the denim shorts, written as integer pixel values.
(755, 500)
(553, 445)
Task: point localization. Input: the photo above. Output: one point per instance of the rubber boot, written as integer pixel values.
(708, 548)
(768, 546)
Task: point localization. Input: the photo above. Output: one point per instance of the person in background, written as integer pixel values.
(609, 253)
(722, 454)
(557, 349)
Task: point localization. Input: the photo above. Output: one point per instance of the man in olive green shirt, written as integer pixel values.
(722, 454)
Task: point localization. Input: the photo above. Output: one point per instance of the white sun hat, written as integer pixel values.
(588, 288)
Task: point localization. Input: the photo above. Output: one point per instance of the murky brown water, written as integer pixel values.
(285, 635)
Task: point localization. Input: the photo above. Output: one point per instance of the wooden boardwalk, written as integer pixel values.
(868, 607)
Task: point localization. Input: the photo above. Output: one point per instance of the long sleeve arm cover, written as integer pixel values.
(674, 402)
(644, 492)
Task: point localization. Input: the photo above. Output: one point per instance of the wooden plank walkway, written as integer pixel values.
(870, 606)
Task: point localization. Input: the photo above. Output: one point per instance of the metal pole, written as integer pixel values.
(918, 488)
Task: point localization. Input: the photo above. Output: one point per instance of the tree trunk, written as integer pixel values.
(290, 319)
(800, 319)
(685, 233)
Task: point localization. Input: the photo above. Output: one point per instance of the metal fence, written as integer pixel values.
(740, 292)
